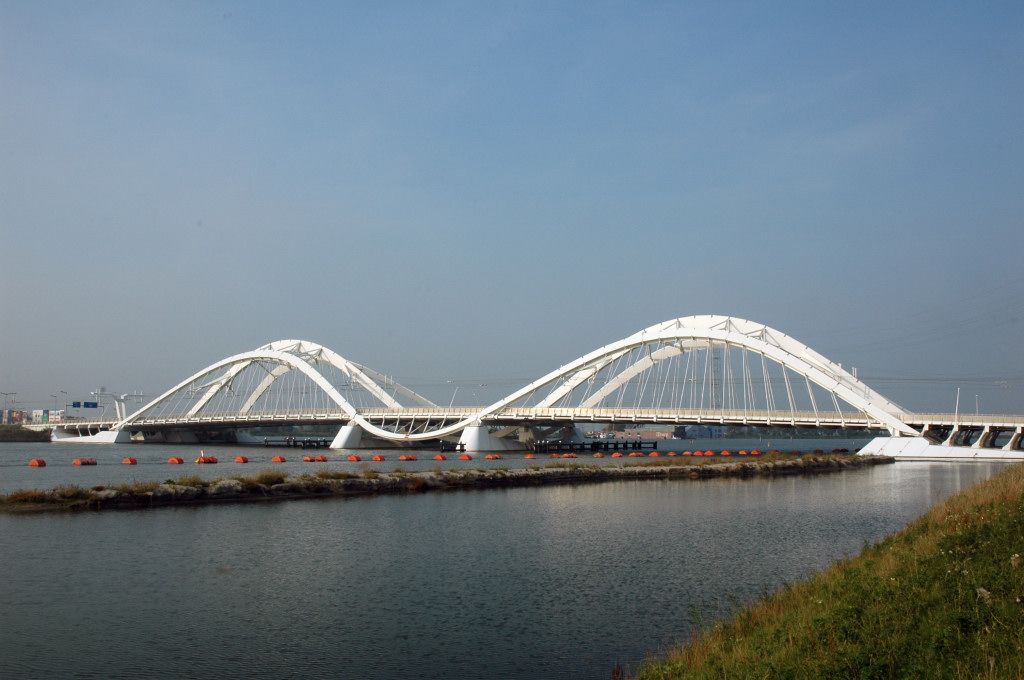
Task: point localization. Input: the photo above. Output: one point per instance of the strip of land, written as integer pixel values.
(943, 598)
(277, 485)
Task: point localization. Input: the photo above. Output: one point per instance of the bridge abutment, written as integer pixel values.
(479, 438)
(348, 437)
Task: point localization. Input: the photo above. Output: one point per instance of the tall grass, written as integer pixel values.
(943, 598)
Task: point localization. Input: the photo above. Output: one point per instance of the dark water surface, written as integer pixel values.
(555, 582)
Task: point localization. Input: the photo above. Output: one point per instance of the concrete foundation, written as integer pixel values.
(104, 437)
(919, 448)
(479, 438)
(348, 437)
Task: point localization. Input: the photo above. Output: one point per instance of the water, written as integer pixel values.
(549, 582)
(152, 460)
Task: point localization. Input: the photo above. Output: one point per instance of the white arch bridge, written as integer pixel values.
(690, 370)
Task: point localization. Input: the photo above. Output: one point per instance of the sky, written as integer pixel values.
(481, 192)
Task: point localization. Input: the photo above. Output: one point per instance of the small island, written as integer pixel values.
(275, 485)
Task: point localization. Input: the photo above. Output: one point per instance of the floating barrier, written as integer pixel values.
(743, 452)
(465, 456)
(377, 458)
(636, 454)
(241, 459)
(175, 460)
(755, 452)
(440, 456)
(407, 456)
(617, 454)
(492, 456)
(671, 454)
(354, 458)
(206, 460)
(598, 455)
(709, 453)
(568, 455)
(307, 459)
(278, 459)
(128, 460)
(653, 454)
(37, 462)
(320, 458)
(84, 461)
(687, 453)
(725, 453)
(530, 456)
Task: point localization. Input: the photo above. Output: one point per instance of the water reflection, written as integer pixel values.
(556, 582)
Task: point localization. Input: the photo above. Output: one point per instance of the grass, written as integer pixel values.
(943, 598)
(334, 474)
(136, 488)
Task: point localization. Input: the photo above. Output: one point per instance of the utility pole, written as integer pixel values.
(956, 409)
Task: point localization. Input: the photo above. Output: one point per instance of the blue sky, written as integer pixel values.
(483, 191)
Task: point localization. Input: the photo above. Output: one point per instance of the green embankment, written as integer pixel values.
(17, 433)
(943, 598)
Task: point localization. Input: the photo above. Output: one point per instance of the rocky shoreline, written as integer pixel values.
(272, 485)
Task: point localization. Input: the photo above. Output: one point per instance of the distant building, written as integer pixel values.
(12, 417)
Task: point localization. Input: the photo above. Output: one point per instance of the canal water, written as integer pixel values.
(547, 582)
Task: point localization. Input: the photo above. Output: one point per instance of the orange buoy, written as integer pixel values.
(555, 455)
(206, 460)
(672, 454)
(175, 460)
(617, 454)
(354, 458)
(743, 452)
(709, 453)
(377, 458)
(726, 453)
(598, 455)
(465, 456)
(407, 456)
(653, 454)
(278, 459)
(307, 459)
(440, 456)
(128, 460)
(636, 454)
(755, 452)
(241, 459)
(84, 461)
(530, 456)
(687, 453)
(37, 462)
(320, 458)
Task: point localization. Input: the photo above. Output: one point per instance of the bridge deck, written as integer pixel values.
(525, 415)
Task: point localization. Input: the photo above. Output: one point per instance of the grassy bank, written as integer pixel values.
(944, 598)
(17, 433)
(277, 485)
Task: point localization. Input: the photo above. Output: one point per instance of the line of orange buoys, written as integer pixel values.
(204, 459)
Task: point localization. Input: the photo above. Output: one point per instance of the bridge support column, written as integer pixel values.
(983, 439)
(348, 437)
(479, 438)
(1014, 440)
(953, 434)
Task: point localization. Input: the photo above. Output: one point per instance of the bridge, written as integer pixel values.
(687, 371)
